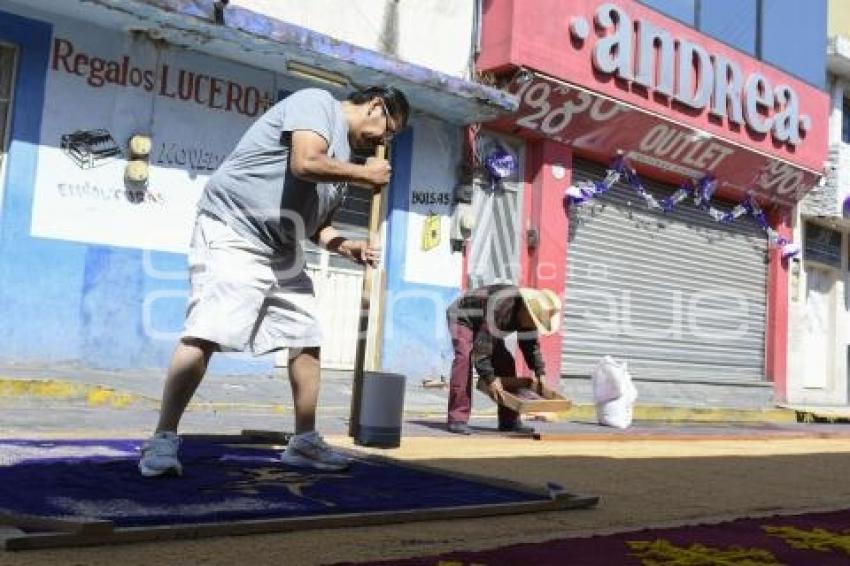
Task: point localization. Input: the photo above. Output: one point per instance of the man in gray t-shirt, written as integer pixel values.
(254, 192)
(280, 185)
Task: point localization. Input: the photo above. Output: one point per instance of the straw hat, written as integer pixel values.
(544, 306)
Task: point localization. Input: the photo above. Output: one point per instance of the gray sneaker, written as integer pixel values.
(159, 456)
(309, 450)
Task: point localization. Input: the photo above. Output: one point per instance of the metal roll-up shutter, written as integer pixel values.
(678, 296)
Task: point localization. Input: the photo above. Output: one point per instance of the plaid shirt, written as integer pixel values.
(492, 313)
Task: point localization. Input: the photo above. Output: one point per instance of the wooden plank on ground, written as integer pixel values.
(63, 524)
(85, 532)
(261, 526)
(270, 436)
(9, 532)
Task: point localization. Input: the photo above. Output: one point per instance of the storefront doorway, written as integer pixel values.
(820, 282)
(497, 208)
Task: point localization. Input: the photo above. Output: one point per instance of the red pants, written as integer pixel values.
(460, 387)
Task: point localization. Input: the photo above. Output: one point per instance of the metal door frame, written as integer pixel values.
(5, 142)
(518, 189)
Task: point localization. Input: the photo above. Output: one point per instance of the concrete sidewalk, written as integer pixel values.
(65, 385)
(63, 400)
(121, 388)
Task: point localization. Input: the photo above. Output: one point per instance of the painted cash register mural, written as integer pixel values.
(106, 89)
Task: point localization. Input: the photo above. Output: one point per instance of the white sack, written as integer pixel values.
(613, 392)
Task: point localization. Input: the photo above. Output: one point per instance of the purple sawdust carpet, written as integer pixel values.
(820, 539)
(228, 481)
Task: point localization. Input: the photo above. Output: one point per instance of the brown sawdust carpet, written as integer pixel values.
(642, 483)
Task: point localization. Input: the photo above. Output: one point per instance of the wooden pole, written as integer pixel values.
(365, 300)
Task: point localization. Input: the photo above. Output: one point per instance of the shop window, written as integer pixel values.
(352, 221)
(682, 10)
(793, 38)
(822, 245)
(7, 71)
(354, 210)
(788, 34)
(845, 121)
(733, 22)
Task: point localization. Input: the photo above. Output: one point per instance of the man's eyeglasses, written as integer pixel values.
(391, 125)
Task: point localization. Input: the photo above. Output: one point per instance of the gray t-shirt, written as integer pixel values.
(255, 193)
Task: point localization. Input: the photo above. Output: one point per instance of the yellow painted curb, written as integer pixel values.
(101, 396)
(39, 388)
(93, 395)
(689, 414)
(656, 413)
(275, 408)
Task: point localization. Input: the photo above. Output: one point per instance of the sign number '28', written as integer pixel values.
(551, 118)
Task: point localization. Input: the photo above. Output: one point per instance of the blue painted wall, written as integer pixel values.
(72, 302)
(415, 339)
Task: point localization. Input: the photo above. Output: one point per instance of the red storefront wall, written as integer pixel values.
(571, 104)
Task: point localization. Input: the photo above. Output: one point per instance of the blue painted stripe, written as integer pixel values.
(31, 321)
(70, 301)
(33, 39)
(415, 341)
(397, 209)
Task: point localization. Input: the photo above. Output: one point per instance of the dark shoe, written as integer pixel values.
(459, 428)
(516, 427)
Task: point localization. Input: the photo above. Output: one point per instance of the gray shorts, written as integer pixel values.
(244, 299)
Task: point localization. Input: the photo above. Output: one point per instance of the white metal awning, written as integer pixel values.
(267, 43)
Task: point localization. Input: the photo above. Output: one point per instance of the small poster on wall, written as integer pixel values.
(822, 245)
(431, 232)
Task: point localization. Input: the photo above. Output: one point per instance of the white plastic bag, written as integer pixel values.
(608, 378)
(613, 392)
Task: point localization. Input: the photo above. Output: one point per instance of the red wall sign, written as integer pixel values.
(609, 76)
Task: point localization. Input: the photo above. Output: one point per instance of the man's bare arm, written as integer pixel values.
(358, 251)
(309, 160)
(329, 238)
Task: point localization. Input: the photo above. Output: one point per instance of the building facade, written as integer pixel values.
(646, 160)
(663, 148)
(92, 258)
(819, 285)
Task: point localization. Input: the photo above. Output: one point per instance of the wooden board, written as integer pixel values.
(31, 541)
(375, 209)
(528, 395)
(269, 436)
(60, 533)
(80, 525)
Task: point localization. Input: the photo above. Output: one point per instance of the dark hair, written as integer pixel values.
(394, 99)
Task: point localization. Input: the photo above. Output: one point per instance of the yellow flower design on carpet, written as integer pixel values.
(820, 540)
(662, 552)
